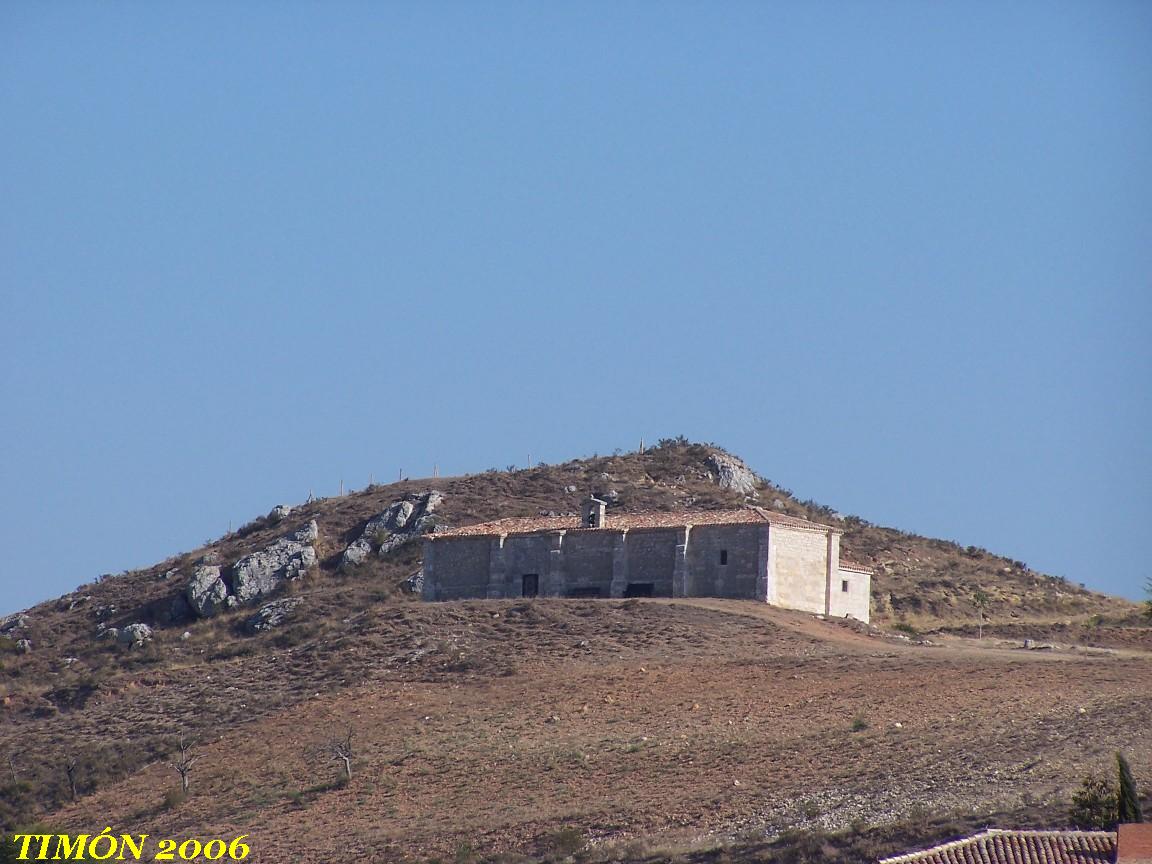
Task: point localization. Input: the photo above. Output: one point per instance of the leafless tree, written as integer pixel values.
(70, 770)
(12, 766)
(981, 600)
(184, 764)
(341, 751)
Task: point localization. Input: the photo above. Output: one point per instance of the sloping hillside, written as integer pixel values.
(74, 692)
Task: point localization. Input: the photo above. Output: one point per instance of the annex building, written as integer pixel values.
(747, 553)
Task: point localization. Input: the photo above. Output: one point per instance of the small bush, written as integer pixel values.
(173, 798)
(564, 843)
(859, 724)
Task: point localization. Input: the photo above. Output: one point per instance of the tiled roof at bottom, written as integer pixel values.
(1018, 847)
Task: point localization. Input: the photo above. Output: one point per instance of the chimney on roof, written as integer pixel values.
(593, 513)
(1134, 843)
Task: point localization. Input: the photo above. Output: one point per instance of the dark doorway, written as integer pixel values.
(584, 592)
(531, 584)
(639, 589)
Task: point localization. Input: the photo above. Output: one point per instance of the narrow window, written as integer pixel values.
(723, 556)
(844, 585)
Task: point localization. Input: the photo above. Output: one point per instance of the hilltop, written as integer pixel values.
(552, 685)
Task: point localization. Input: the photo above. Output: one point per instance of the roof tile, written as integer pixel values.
(634, 522)
(1018, 847)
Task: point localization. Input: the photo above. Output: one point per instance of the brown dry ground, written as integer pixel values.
(491, 725)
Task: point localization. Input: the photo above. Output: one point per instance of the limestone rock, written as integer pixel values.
(733, 474)
(206, 591)
(400, 523)
(279, 513)
(401, 513)
(310, 533)
(273, 614)
(356, 553)
(134, 635)
(283, 560)
(23, 646)
(414, 584)
(14, 622)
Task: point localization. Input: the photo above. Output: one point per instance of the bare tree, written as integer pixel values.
(184, 764)
(981, 599)
(341, 750)
(12, 766)
(70, 770)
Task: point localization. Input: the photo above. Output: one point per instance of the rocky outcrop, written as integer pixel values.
(134, 635)
(402, 522)
(13, 623)
(207, 594)
(273, 614)
(733, 474)
(282, 561)
(279, 513)
(210, 590)
(23, 646)
(357, 553)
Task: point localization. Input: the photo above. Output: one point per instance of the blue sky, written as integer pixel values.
(896, 255)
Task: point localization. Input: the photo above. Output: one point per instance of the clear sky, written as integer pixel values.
(897, 255)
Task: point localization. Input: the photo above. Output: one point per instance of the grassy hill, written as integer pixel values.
(554, 701)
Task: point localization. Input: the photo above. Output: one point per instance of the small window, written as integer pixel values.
(723, 556)
(844, 585)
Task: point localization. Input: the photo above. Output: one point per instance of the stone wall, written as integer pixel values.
(723, 560)
(588, 562)
(856, 601)
(651, 558)
(456, 568)
(798, 568)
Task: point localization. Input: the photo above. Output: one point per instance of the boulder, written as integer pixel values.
(278, 514)
(23, 646)
(206, 591)
(134, 635)
(733, 474)
(414, 584)
(272, 614)
(401, 512)
(356, 553)
(285, 559)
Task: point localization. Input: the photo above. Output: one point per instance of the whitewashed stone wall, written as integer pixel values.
(798, 568)
(857, 600)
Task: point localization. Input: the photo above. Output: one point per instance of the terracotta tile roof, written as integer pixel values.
(859, 568)
(633, 522)
(1019, 847)
(1135, 844)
